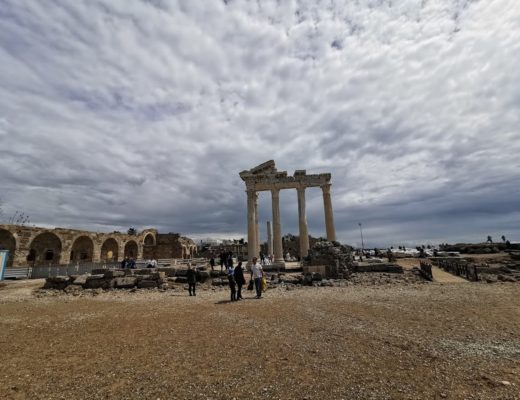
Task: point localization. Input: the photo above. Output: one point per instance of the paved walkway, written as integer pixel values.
(442, 276)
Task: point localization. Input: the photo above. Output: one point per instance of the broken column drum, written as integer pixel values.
(265, 177)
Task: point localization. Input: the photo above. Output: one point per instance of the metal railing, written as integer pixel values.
(69, 269)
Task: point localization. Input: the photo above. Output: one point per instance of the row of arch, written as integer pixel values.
(47, 248)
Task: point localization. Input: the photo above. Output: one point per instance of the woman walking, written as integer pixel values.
(239, 279)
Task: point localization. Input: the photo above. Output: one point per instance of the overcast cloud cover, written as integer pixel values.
(118, 113)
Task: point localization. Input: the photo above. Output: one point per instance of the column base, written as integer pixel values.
(275, 266)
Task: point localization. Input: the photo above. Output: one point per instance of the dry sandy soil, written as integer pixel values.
(393, 341)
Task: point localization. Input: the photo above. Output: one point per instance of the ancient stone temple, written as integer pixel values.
(265, 177)
(32, 246)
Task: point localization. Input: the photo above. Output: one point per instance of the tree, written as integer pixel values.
(503, 238)
(132, 231)
(489, 239)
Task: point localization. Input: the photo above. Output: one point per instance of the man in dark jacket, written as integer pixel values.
(240, 280)
(191, 276)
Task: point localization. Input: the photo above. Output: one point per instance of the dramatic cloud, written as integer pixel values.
(118, 113)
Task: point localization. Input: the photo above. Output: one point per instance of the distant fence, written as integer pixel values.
(426, 270)
(459, 268)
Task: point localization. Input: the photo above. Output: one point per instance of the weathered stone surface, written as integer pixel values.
(81, 279)
(114, 273)
(336, 258)
(170, 272)
(203, 276)
(73, 288)
(99, 271)
(125, 282)
(143, 284)
(96, 281)
(144, 271)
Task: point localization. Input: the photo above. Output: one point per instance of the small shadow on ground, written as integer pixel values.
(239, 301)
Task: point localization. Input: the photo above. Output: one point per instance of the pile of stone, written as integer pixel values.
(330, 260)
(122, 279)
(507, 271)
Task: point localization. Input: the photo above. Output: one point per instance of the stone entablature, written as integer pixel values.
(266, 177)
(29, 246)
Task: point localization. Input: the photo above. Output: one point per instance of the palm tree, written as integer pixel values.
(503, 238)
(489, 239)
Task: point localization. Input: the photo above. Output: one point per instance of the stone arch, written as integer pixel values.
(45, 248)
(8, 242)
(184, 252)
(82, 249)
(148, 246)
(131, 249)
(109, 250)
(149, 239)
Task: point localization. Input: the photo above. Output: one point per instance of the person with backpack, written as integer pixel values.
(239, 279)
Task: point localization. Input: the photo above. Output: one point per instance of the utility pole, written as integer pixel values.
(362, 243)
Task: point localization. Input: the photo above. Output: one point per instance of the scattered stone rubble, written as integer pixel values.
(504, 271)
(123, 279)
(331, 259)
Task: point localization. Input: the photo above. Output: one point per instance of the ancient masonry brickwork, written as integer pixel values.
(41, 246)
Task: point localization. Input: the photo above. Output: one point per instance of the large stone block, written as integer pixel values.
(81, 279)
(99, 271)
(114, 273)
(143, 284)
(202, 276)
(125, 282)
(96, 282)
(170, 272)
(58, 279)
(144, 271)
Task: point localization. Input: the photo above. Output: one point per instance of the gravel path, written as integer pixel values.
(389, 341)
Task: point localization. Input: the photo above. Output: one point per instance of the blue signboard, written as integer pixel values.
(4, 256)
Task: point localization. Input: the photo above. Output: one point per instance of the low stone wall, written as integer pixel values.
(123, 279)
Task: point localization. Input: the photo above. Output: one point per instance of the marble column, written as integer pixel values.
(329, 218)
(269, 238)
(277, 227)
(251, 227)
(257, 227)
(304, 233)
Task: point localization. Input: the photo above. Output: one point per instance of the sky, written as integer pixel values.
(119, 113)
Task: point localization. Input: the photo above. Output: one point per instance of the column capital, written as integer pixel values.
(275, 192)
(301, 189)
(326, 188)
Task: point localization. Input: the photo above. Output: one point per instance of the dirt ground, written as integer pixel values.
(394, 341)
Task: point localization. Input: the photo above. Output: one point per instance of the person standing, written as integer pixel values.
(257, 273)
(212, 263)
(239, 279)
(222, 261)
(232, 283)
(191, 276)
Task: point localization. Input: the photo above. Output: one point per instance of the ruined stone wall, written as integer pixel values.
(42, 246)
